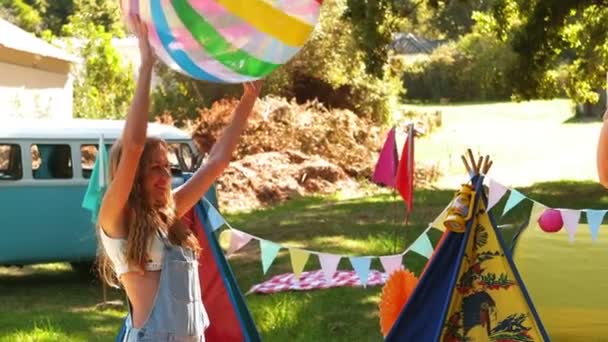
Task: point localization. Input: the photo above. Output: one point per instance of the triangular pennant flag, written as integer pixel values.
(298, 260)
(438, 222)
(329, 265)
(386, 167)
(497, 190)
(422, 246)
(215, 218)
(391, 263)
(361, 266)
(238, 240)
(595, 218)
(514, 198)
(570, 218)
(537, 210)
(269, 251)
(97, 183)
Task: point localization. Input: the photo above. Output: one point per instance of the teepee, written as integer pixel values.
(470, 289)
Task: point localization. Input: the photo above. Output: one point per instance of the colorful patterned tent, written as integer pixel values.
(470, 290)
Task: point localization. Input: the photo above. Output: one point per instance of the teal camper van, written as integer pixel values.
(45, 167)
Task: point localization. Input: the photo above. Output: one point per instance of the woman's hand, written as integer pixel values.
(252, 89)
(140, 29)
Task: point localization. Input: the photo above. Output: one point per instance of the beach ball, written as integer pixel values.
(226, 41)
(551, 221)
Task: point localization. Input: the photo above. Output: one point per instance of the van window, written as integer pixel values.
(88, 155)
(51, 161)
(11, 167)
(180, 157)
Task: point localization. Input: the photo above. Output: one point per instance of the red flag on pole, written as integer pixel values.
(405, 172)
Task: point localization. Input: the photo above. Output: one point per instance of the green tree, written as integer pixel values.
(558, 44)
(22, 14)
(103, 83)
(374, 23)
(55, 13)
(454, 19)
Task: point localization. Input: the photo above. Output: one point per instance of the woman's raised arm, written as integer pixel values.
(133, 141)
(192, 191)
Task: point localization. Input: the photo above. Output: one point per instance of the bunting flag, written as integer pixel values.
(299, 257)
(537, 210)
(215, 219)
(361, 266)
(329, 265)
(514, 198)
(422, 246)
(496, 192)
(595, 218)
(570, 218)
(391, 263)
(386, 167)
(238, 240)
(269, 251)
(438, 222)
(98, 182)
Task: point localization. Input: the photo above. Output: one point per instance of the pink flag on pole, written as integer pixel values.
(386, 166)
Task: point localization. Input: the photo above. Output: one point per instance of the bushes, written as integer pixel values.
(477, 68)
(331, 68)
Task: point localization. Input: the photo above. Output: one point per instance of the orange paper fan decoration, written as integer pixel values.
(395, 293)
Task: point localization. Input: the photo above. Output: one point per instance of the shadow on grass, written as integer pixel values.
(372, 226)
(343, 314)
(50, 305)
(54, 305)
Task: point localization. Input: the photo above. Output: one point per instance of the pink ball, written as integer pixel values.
(551, 221)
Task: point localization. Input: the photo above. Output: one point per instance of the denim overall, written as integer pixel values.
(178, 314)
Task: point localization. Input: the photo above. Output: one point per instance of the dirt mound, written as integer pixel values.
(269, 177)
(291, 149)
(339, 136)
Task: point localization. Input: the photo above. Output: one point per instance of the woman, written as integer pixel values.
(145, 246)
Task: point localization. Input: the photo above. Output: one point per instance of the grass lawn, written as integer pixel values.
(529, 142)
(52, 303)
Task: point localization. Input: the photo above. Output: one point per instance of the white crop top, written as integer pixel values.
(115, 250)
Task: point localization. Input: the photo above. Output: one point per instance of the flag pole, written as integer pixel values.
(410, 172)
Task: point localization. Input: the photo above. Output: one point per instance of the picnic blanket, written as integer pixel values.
(316, 280)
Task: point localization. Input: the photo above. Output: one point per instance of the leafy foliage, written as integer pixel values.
(476, 68)
(554, 35)
(374, 22)
(103, 84)
(22, 14)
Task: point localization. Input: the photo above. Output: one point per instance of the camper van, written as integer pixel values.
(45, 167)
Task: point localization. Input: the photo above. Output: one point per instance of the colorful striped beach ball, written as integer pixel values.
(226, 41)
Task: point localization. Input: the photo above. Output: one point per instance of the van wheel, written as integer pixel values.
(86, 268)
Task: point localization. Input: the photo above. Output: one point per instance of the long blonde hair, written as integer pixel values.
(142, 218)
